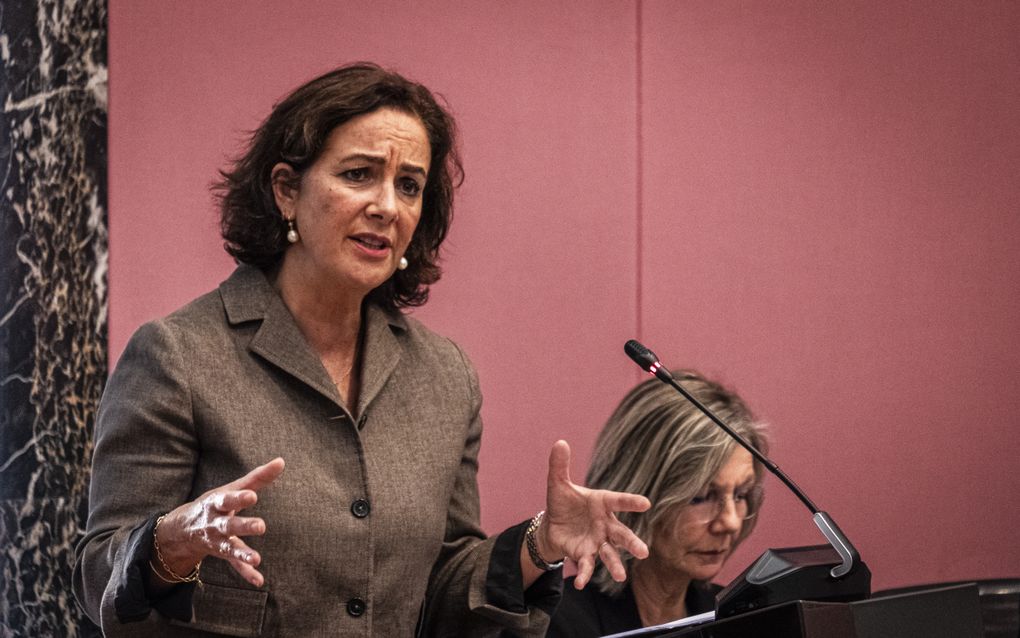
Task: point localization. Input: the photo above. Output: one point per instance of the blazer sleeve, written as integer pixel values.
(475, 587)
(143, 465)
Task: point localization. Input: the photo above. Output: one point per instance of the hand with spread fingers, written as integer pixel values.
(581, 524)
(210, 526)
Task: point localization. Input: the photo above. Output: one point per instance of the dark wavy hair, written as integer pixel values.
(252, 226)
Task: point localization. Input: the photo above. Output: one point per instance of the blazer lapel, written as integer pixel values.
(248, 296)
(380, 355)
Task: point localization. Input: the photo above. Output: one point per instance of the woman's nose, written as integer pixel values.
(384, 208)
(728, 520)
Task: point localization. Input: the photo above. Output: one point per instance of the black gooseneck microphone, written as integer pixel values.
(779, 575)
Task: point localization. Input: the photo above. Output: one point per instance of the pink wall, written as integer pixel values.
(817, 203)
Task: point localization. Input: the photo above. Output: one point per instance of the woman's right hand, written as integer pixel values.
(210, 526)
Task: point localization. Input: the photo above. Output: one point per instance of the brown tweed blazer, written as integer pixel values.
(227, 383)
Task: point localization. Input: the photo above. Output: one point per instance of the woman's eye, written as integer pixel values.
(410, 187)
(356, 174)
(746, 494)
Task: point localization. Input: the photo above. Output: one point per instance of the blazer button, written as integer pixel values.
(362, 421)
(356, 607)
(360, 508)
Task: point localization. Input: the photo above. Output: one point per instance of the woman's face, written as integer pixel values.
(697, 549)
(357, 206)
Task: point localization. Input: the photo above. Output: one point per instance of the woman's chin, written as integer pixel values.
(705, 566)
(361, 280)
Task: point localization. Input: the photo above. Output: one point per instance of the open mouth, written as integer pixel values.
(372, 242)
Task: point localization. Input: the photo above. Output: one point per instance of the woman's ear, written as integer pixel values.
(285, 182)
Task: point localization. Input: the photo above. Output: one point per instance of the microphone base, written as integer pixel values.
(793, 573)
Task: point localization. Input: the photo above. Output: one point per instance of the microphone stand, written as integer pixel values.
(779, 573)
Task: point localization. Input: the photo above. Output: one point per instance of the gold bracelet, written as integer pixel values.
(533, 553)
(156, 570)
(174, 577)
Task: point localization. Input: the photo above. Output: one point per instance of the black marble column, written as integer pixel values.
(53, 256)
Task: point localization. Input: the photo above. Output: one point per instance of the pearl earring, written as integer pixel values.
(292, 235)
(402, 265)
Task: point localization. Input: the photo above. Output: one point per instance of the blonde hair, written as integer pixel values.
(659, 445)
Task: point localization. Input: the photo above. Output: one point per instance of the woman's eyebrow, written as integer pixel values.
(378, 160)
(748, 482)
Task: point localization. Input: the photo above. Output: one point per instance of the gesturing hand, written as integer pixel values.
(580, 523)
(210, 526)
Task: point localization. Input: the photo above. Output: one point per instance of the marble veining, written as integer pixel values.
(53, 262)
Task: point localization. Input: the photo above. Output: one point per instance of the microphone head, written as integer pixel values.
(641, 355)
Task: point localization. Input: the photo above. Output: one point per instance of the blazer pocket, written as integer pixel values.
(227, 610)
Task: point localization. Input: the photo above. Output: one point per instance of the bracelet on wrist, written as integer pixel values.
(532, 543)
(174, 577)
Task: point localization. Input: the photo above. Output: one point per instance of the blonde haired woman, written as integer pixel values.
(705, 491)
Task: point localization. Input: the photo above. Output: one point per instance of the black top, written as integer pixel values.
(589, 613)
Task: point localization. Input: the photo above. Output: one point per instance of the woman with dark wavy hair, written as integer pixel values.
(706, 494)
(336, 214)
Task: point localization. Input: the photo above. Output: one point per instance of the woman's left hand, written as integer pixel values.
(580, 523)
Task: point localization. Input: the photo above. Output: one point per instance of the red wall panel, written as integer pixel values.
(830, 223)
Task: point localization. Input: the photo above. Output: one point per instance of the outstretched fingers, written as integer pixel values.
(559, 463)
(210, 526)
(232, 501)
(232, 525)
(241, 493)
(243, 559)
(618, 534)
(585, 568)
(624, 502)
(259, 477)
(621, 537)
(614, 564)
(222, 540)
